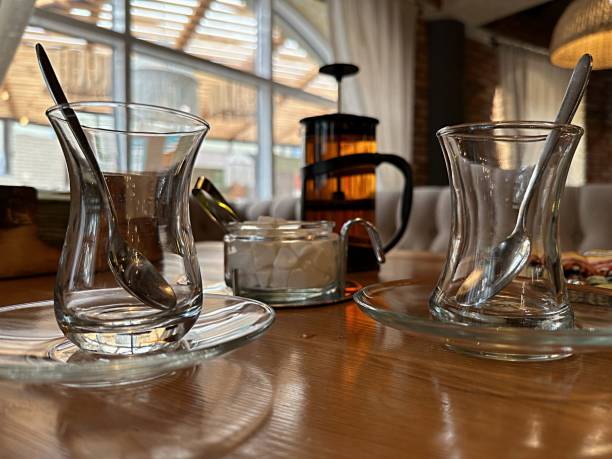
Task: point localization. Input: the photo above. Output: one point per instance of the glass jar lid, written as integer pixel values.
(280, 229)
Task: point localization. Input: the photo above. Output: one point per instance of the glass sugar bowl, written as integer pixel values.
(283, 262)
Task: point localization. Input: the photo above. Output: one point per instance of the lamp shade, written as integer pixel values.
(584, 27)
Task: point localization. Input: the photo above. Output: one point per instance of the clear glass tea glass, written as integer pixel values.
(489, 166)
(146, 155)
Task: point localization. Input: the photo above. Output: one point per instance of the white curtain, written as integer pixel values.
(379, 37)
(14, 15)
(532, 89)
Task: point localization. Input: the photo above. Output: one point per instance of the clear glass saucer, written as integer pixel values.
(324, 300)
(33, 349)
(404, 305)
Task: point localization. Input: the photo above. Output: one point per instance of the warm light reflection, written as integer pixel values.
(449, 431)
(534, 436)
(597, 443)
(291, 392)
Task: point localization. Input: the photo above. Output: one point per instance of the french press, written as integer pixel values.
(339, 179)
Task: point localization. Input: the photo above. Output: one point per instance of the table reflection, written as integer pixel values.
(207, 410)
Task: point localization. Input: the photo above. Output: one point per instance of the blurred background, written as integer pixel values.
(243, 66)
(250, 67)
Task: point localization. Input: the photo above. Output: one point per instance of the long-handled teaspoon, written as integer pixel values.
(131, 268)
(509, 257)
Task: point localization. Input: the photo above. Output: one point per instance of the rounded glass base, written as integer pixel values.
(112, 322)
(503, 311)
(509, 357)
(563, 318)
(291, 295)
(132, 342)
(33, 349)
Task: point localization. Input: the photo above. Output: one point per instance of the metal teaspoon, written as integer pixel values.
(509, 257)
(131, 268)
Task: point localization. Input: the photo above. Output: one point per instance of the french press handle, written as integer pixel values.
(352, 163)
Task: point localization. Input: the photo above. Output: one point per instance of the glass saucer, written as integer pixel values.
(33, 349)
(404, 305)
(326, 300)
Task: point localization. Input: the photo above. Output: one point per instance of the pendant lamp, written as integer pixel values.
(584, 27)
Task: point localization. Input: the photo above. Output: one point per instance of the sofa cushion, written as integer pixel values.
(387, 204)
(586, 221)
(257, 209)
(570, 232)
(443, 222)
(595, 212)
(422, 228)
(285, 208)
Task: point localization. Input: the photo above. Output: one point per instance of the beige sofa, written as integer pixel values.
(586, 218)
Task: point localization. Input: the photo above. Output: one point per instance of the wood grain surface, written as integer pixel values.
(324, 382)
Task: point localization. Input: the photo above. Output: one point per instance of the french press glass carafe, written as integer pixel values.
(339, 179)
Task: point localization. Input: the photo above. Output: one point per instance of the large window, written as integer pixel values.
(32, 155)
(247, 66)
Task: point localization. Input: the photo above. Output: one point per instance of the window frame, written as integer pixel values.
(124, 44)
(5, 147)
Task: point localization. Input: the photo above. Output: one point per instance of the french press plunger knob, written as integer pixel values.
(339, 71)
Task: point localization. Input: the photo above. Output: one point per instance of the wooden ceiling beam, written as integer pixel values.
(280, 101)
(195, 19)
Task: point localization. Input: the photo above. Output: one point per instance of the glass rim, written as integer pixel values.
(200, 124)
(284, 227)
(485, 130)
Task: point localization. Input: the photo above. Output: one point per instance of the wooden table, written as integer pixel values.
(323, 382)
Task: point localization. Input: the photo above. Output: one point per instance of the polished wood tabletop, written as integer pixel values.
(324, 382)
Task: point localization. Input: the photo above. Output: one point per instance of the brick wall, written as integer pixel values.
(419, 152)
(480, 80)
(599, 127)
